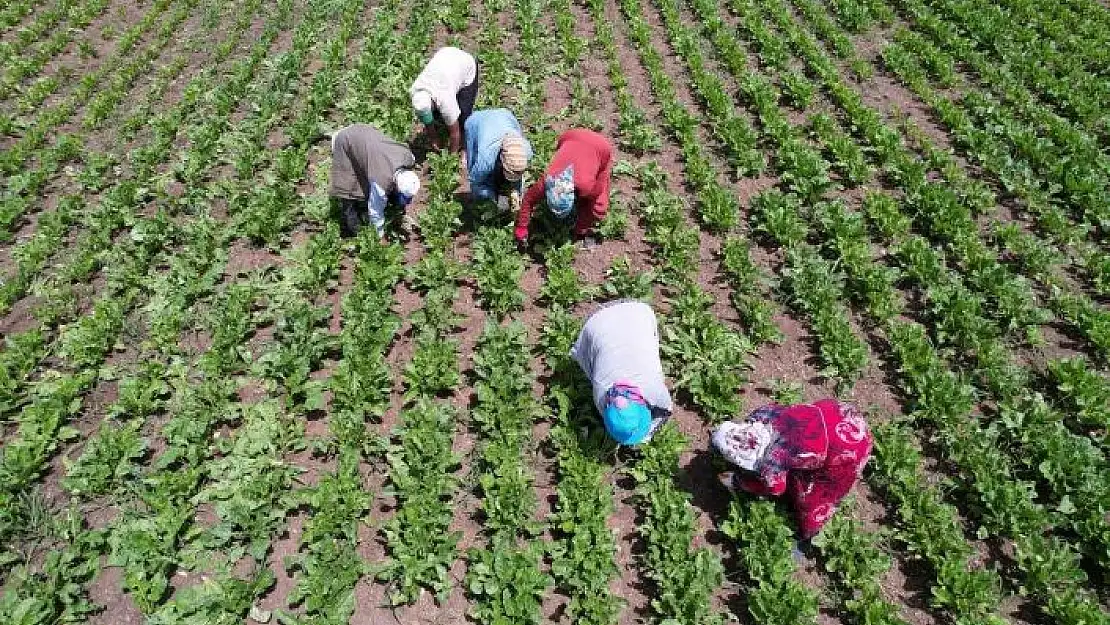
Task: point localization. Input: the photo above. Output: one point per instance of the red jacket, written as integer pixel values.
(592, 156)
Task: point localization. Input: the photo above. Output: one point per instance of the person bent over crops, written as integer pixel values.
(618, 349)
(368, 171)
(814, 452)
(576, 180)
(497, 155)
(445, 91)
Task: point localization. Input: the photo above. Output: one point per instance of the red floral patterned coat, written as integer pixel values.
(818, 453)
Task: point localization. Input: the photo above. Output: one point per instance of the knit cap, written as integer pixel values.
(514, 157)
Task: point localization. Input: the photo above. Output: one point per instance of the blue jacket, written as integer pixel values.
(484, 130)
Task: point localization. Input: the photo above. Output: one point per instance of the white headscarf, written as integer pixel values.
(408, 183)
(421, 102)
(743, 444)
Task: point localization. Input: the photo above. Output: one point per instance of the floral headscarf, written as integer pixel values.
(743, 444)
(560, 192)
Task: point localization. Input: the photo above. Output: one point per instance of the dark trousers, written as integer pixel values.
(466, 97)
(352, 216)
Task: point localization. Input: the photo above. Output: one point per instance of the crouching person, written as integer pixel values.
(618, 349)
(575, 185)
(813, 452)
(496, 155)
(369, 171)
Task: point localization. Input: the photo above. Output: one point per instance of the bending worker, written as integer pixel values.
(496, 155)
(814, 452)
(618, 349)
(577, 179)
(445, 91)
(368, 171)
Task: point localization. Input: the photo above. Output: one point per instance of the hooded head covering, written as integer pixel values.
(422, 105)
(514, 158)
(559, 190)
(408, 184)
(743, 444)
(627, 417)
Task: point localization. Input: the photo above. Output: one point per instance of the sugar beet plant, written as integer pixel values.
(504, 578)
(418, 539)
(765, 543)
(683, 578)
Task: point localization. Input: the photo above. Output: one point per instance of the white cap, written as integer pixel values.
(408, 183)
(421, 101)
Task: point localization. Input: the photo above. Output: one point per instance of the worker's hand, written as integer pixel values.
(728, 480)
(514, 202)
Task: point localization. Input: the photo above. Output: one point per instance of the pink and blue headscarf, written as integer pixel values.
(627, 416)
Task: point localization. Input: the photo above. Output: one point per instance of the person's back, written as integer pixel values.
(486, 134)
(589, 152)
(449, 70)
(621, 343)
(362, 154)
(486, 127)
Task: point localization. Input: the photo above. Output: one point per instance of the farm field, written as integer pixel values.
(216, 410)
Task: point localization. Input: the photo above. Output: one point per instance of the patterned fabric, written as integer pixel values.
(560, 192)
(743, 444)
(820, 452)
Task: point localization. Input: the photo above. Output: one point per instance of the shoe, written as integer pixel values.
(589, 242)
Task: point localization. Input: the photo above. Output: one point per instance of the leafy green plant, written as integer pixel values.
(584, 558)
(804, 171)
(562, 285)
(856, 560)
(21, 353)
(685, 577)
(220, 600)
(1084, 391)
(421, 545)
(777, 215)
(798, 89)
(434, 367)
(109, 460)
(251, 487)
(507, 584)
(56, 592)
(705, 356)
(498, 270)
(621, 280)
(615, 223)
(786, 392)
(765, 544)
